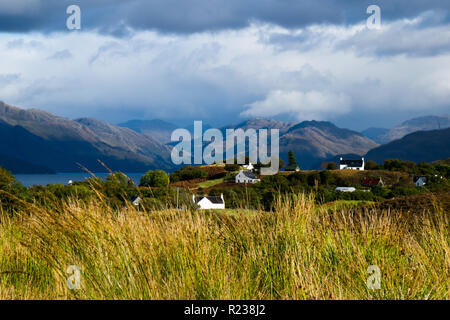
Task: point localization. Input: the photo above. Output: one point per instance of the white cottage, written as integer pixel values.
(420, 181)
(207, 203)
(135, 200)
(246, 177)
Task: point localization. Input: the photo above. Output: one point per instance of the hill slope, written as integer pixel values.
(313, 141)
(375, 134)
(59, 144)
(419, 146)
(416, 124)
(158, 129)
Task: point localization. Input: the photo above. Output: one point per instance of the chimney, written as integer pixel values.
(193, 198)
(221, 196)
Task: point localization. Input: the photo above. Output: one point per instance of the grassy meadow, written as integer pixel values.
(298, 251)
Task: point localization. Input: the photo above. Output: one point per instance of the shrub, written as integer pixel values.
(371, 165)
(187, 173)
(232, 167)
(157, 178)
(330, 166)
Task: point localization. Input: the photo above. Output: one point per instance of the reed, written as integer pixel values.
(298, 251)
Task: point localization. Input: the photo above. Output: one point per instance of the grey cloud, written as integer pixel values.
(425, 35)
(7, 79)
(61, 55)
(183, 16)
(213, 76)
(21, 44)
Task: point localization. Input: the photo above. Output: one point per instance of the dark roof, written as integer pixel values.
(352, 163)
(249, 174)
(133, 198)
(212, 199)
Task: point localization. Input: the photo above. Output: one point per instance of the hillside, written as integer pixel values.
(57, 143)
(417, 124)
(19, 166)
(375, 134)
(419, 146)
(157, 129)
(314, 141)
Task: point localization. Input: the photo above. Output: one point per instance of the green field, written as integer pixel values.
(210, 183)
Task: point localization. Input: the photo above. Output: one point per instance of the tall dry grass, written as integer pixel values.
(296, 252)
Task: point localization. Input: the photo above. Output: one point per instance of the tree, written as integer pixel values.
(6, 178)
(157, 178)
(187, 173)
(330, 166)
(370, 165)
(119, 179)
(292, 162)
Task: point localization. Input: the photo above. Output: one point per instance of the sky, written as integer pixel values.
(225, 61)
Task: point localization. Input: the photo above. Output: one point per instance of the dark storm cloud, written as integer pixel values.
(187, 16)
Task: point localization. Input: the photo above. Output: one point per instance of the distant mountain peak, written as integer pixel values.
(156, 128)
(262, 123)
(427, 146)
(315, 124)
(424, 123)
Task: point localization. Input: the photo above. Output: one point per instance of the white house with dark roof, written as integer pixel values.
(351, 164)
(420, 181)
(246, 177)
(210, 202)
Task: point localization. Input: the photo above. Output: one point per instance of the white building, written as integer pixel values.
(351, 164)
(248, 166)
(345, 189)
(420, 181)
(135, 200)
(207, 203)
(246, 177)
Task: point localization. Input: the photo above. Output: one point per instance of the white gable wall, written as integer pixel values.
(420, 182)
(205, 204)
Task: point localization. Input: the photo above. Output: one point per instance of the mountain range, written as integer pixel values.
(312, 141)
(35, 141)
(157, 129)
(58, 144)
(418, 146)
(383, 135)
